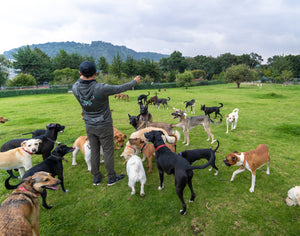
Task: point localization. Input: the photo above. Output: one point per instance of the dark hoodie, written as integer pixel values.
(94, 100)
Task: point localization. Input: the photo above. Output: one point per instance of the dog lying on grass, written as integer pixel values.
(293, 197)
(19, 213)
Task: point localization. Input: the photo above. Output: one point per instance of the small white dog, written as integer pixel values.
(232, 119)
(136, 173)
(82, 143)
(293, 197)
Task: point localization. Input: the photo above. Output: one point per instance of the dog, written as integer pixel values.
(125, 97)
(196, 154)
(162, 101)
(138, 124)
(148, 149)
(3, 120)
(251, 161)
(142, 99)
(153, 99)
(145, 115)
(53, 165)
(19, 213)
(293, 197)
(82, 143)
(189, 122)
(190, 104)
(171, 163)
(118, 96)
(36, 133)
(19, 158)
(209, 110)
(47, 144)
(232, 119)
(136, 173)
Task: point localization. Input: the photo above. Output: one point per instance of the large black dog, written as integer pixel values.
(53, 165)
(145, 115)
(196, 154)
(209, 110)
(142, 99)
(171, 163)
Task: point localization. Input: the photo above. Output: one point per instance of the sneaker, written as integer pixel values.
(97, 181)
(111, 182)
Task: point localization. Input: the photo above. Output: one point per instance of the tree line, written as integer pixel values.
(34, 67)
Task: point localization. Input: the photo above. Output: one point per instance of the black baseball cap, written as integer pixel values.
(87, 68)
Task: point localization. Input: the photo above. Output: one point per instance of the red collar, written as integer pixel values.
(24, 189)
(27, 151)
(130, 147)
(160, 146)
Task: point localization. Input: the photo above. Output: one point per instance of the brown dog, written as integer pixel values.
(2, 119)
(251, 161)
(19, 213)
(119, 138)
(148, 149)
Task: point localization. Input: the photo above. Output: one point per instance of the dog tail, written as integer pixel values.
(8, 186)
(206, 164)
(221, 105)
(169, 98)
(177, 134)
(217, 146)
(148, 94)
(28, 133)
(216, 123)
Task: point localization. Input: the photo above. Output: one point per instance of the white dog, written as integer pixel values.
(136, 173)
(293, 197)
(82, 143)
(20, 158)
(232, 119)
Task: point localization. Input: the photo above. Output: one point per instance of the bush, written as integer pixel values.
(21, 80)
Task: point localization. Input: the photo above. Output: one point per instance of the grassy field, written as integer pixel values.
(269, 115)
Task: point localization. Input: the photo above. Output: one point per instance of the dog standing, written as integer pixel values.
(251, 161)
(162, 101)
(189, 122)
(19, 213)
(194, 155)
(142, 99)
(170, 163)
(153, 99)
(53, 165)
(136, 173)
(232, 119)
(82, 143)
(145, 115)
(209, 110)
(190, 104)
(293, 197)
(19, 158)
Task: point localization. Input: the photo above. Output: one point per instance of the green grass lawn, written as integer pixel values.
(269, 115)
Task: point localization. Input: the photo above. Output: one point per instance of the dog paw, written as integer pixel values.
(67, 190)
(132, 193)
(191, 201)
(74, 164)
(182, 212)
(216, 173)
(160, 188)
(142, 194)
(251, 190)
(187, 144)
(210, 169)
(231, 179)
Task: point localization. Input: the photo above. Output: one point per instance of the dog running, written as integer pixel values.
(209, 110)
(171, 163)
(19, 213)
(53, 165)
(232, 119)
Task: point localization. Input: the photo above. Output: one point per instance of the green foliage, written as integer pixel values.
(4, 65)
(65, 76)
(238, 74)
(185, 79)
(199, 74)
(21, 80)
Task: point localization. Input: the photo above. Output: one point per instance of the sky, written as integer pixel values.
(192, 27)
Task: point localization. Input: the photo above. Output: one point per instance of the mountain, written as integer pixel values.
(96, 49)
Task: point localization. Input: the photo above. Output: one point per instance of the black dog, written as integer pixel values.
(37, 132)
(190, 104)
(162, 101)
(209, 110)
(197, 154)
(45, 148)
(171, 163)
(142, 99)
(145, 115)
(53, 165)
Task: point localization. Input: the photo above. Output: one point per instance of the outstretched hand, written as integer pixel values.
(137, 79)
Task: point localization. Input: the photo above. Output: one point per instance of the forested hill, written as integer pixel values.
(96, 49)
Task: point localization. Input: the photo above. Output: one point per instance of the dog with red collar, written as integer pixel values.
(251, 160)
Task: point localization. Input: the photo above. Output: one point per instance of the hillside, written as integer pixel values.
(96, 49)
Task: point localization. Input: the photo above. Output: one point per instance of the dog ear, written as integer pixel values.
(125, 136)
(129, 115)
(39, 140)
(235, 152)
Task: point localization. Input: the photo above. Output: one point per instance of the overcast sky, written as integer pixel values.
(192, 27)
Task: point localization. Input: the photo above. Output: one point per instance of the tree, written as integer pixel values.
(62, 60)
(65, 76)
(4, 65)
(238, 74)
(21, 80)
(103, 65)
(129, 66)
(116, 66)
(177, 62)
(185, 79)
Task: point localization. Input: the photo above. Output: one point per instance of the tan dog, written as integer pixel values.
(140, 134)
(119, 138)
(82, 143)
(232, 119)
(293, 197)
(19, 213)
(148, 149)
(19, 158)
(2, 119)
(251, 161)
(118, 96)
